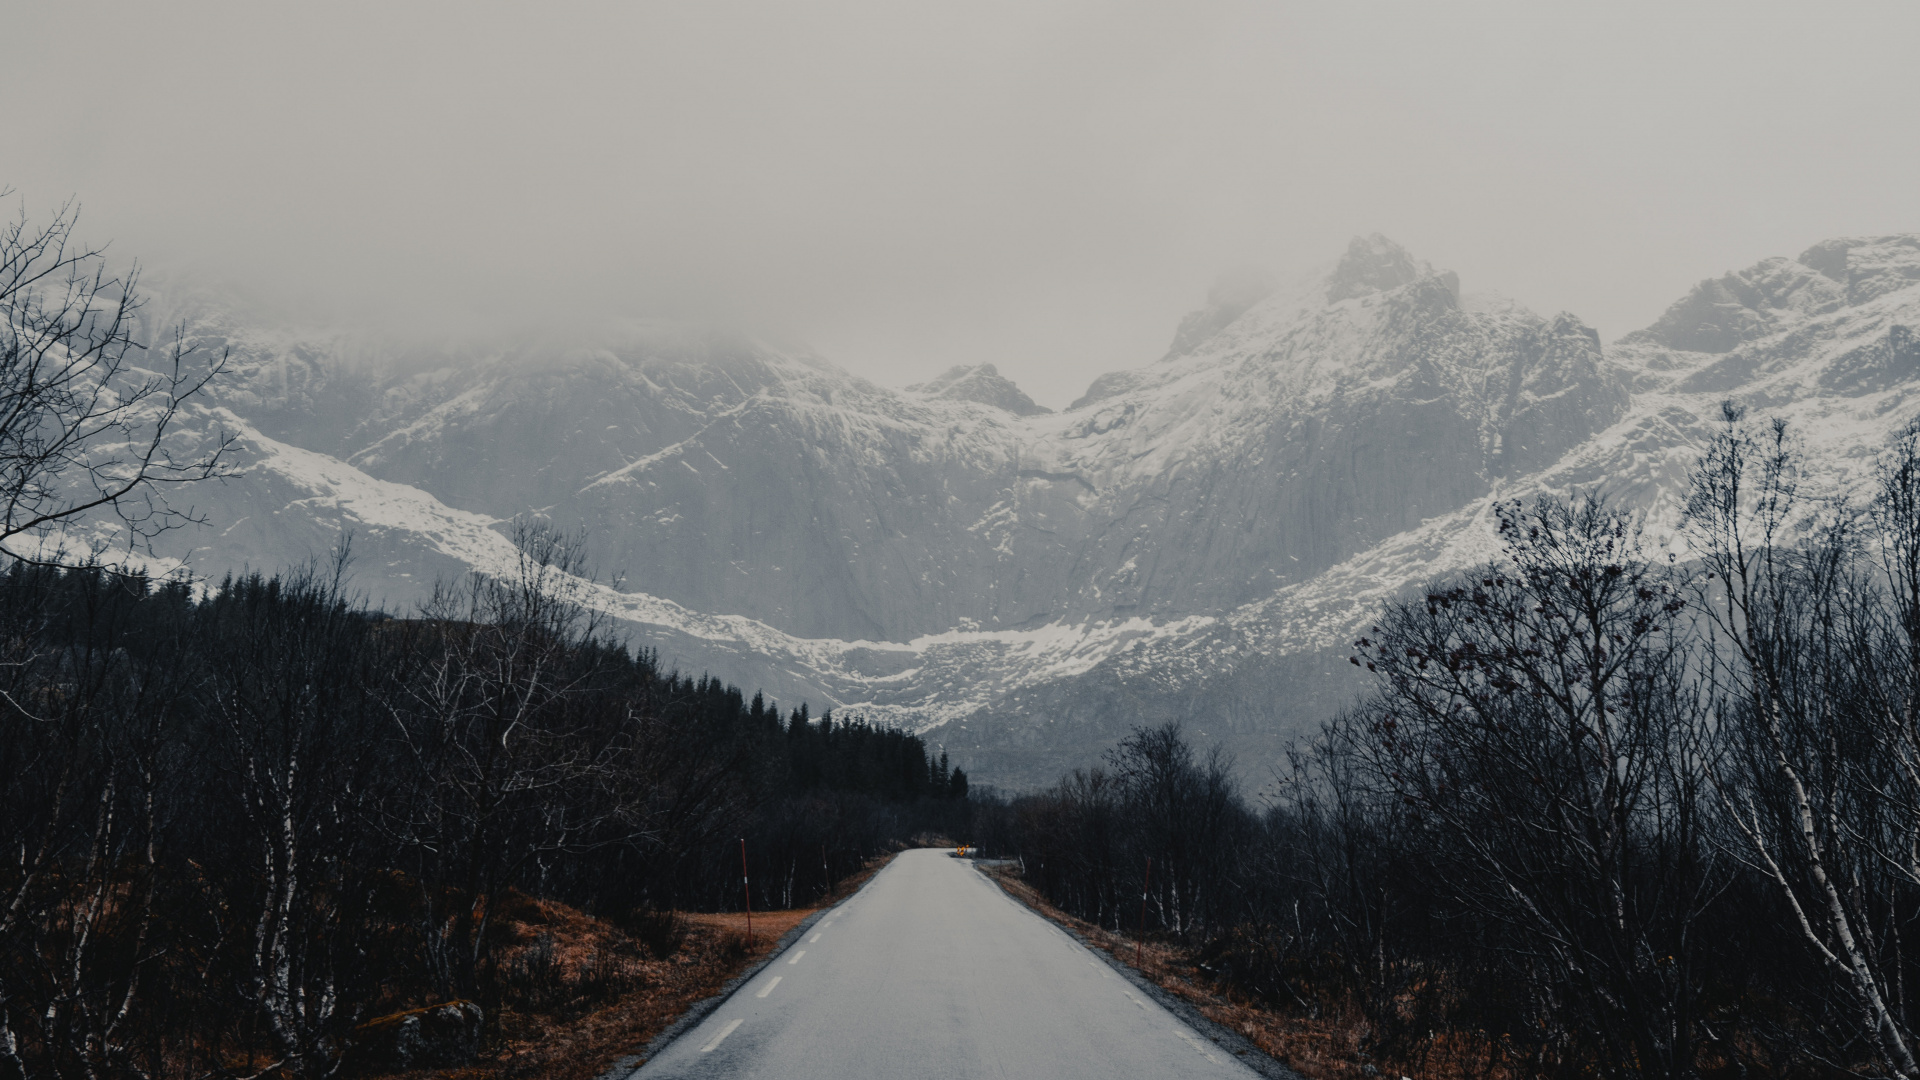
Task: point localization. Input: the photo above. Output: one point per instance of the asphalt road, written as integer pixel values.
(931, 971)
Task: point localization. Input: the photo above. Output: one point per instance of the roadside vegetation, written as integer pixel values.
(236, 827)
(1603, 810)
(254, 828)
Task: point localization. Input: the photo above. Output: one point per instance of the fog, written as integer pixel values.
(907, 186)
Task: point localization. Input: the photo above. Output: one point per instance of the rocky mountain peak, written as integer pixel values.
(1829, 257)
(1373, 264)
(1232, 294)
(1869, 266)
(980, 383)
(1721, 314)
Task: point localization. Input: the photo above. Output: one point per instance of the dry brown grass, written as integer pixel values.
(1329, 1047)
(767, 926)
(605, 994)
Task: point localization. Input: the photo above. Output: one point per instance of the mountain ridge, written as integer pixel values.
(1191, 544)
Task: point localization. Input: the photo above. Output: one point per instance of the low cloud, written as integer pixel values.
(911, 186)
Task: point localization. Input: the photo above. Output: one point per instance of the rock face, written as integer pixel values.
(1185, 541)
(1374, 264)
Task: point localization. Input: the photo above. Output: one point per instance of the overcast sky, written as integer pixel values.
(907, 186)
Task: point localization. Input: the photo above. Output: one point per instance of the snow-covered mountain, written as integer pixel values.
(1190, 539)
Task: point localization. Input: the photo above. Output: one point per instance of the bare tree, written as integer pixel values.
(1891, 650)
(1072, 837)
(80, 784)
(489, 722)
(289, 690)
(1186, 815)
(1780, 586)
(1536, 719)
(85, 412)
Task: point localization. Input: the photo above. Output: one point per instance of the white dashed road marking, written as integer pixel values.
(797, 956)
(1194, 1041)
(768, 989)
(724, 1032)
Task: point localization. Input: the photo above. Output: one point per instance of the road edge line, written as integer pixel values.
(1241, 1047)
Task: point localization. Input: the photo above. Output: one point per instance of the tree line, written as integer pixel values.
(238, 823)
(1610, 810)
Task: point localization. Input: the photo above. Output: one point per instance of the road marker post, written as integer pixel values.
(747, 891)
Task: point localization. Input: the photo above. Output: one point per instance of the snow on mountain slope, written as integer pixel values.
(737, 478)
(1845, 376)
(290, 505)
(1195, 540)
(1844, 372)
(1309, 429)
